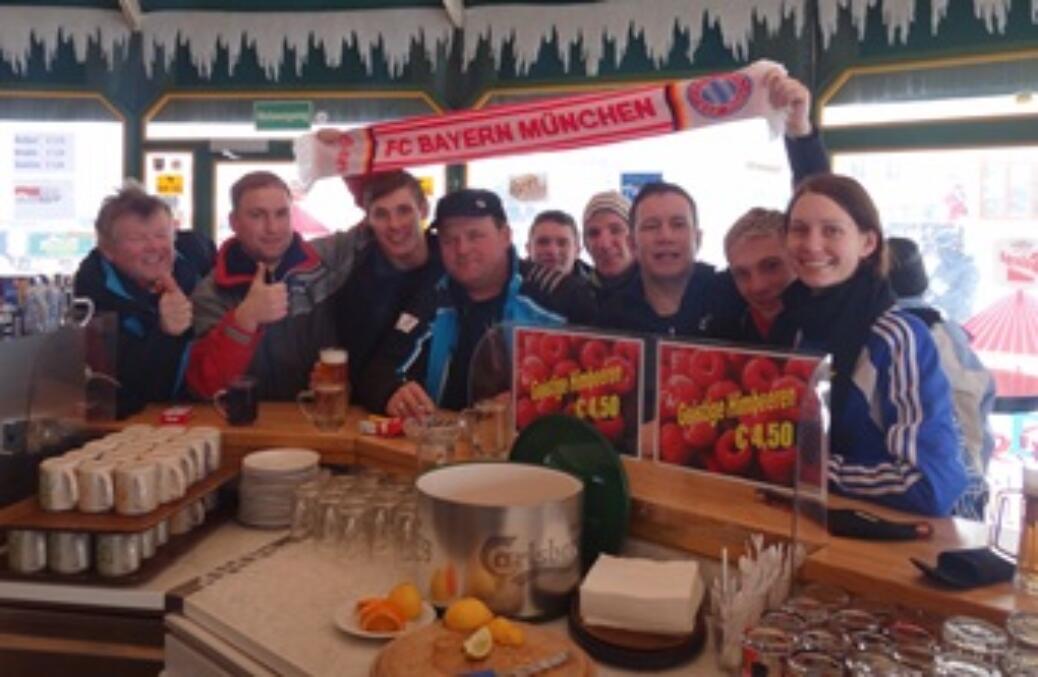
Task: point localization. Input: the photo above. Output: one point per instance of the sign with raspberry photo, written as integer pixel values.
(595, 377)
(742, 413)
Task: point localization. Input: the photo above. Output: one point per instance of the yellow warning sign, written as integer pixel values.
(169, 184)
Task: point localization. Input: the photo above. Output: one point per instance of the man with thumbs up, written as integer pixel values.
(142, 269)
(265, 310)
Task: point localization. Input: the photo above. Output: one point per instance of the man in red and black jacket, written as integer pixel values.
(265, 310)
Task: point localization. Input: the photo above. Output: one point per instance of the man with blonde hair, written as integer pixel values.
(142, 270)
(759, 265)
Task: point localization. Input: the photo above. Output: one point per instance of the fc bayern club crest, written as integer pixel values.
(720, 96)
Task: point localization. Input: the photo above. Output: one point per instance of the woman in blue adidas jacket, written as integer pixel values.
(893, 438)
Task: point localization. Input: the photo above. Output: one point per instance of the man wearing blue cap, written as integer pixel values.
(424, 362)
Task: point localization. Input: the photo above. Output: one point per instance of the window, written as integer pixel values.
(60, 159)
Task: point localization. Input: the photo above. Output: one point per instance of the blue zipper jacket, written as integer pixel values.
(896, 442)
(423, 342)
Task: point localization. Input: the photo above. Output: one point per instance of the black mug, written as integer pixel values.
(237, 402)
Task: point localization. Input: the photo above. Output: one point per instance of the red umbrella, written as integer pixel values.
(1009, 327)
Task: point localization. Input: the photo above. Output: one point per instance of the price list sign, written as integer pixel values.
(741, 413)
(595, 377)
(43, 154)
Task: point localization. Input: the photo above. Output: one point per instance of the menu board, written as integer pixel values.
(742, 413)
(595, 377)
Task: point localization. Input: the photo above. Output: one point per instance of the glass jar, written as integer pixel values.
(822, 640)
(1022, 627)
(849, 621)
(810, 609)
(1020, 662)
(903, 633)
(765, 650)
(918, 659)
(869, 663)
(951, 664)
(784, 620)
(868, 640)
(813, 664)
(973, 637)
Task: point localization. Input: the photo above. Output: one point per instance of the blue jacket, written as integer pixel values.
(425, 338)
(896, 440)
(149, 363)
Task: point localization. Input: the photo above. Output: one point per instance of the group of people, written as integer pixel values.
(410, 304)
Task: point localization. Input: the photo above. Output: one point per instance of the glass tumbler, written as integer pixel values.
(352, 539)
(304, 511)
(974, 638)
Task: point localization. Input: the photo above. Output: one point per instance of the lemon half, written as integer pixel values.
(479, 644)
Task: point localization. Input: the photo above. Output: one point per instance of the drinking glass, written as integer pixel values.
(406, 543)
(304, 511)
(974, 638)
(328, 528)
(813, 664)
(436, 439)
(873, 663)
(324, 406)
(849, 621)
(1022, 627)
(810, 609)
(352, 539)
(952, 664)
(487, 430)
(379, 527)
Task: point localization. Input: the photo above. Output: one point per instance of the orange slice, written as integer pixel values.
(382, 617)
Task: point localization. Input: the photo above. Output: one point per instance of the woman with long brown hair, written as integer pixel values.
(893, 438)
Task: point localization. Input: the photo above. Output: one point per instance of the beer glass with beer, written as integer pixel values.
(1026, 579)
(326, 402)
(331, 367)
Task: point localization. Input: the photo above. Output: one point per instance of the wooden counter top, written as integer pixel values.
(692, 512)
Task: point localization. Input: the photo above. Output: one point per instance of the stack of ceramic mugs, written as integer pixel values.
(268, 483)
(130, 472)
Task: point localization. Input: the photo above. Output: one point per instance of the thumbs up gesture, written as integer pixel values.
(264, 303)
(174, 307)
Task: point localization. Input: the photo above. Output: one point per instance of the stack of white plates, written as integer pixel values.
(268, 483)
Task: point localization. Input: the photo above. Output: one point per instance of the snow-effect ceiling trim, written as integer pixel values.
(523, 26)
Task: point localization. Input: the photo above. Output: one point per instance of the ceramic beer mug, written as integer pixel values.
(96, 488)
(172, 480)
(1026, 556)
(26, 550)
(136, 487)
(213, 449)
(118, 554)
(184, 456)
(58, 489)
(238, 402)
(68, 552)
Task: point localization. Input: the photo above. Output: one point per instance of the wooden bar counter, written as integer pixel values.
(692, 512)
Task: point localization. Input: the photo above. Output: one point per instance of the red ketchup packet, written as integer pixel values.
(382, 426)
(175, 415)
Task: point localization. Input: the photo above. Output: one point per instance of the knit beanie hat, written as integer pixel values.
(907, 272)
(610, 201)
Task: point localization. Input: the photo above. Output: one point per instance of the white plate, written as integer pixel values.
(281, 460)
(346, 619)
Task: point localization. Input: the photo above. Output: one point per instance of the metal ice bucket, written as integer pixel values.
(506, 533)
